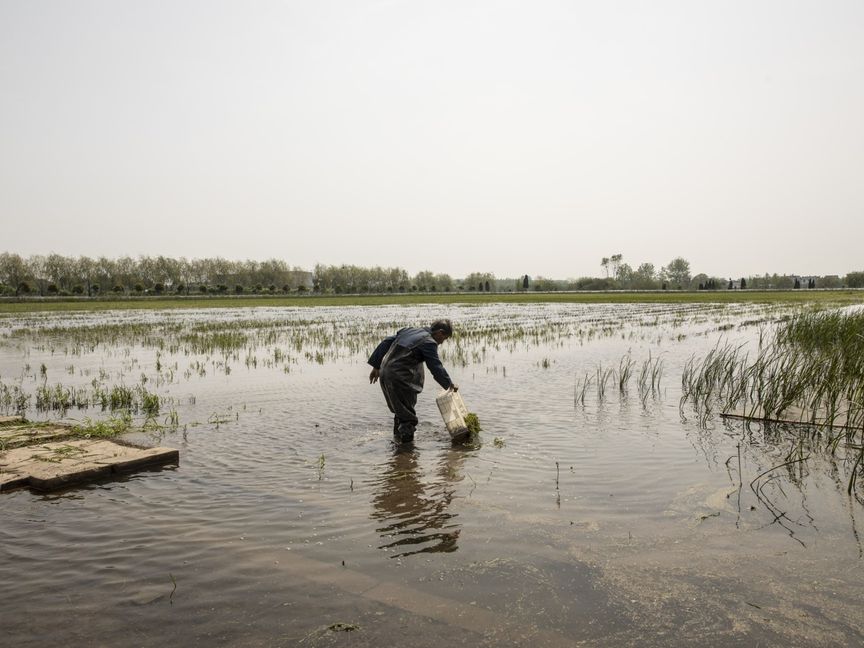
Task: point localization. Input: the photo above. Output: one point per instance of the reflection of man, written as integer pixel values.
(414, 514)
(398, 362)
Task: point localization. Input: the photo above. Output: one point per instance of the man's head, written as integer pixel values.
(441, 330)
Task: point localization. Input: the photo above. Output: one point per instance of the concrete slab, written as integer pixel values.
(54, 465)
(8, 481)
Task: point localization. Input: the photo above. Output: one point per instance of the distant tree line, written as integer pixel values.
(331, 279)
(676, 276)
(55, 274)
(621, 276)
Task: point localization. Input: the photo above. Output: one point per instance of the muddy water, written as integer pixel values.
(294, 520)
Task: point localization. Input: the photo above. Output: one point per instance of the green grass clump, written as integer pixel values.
(106, 429)
(472, 423)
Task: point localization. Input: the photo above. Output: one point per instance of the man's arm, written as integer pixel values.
(429, 350)
(380, 351)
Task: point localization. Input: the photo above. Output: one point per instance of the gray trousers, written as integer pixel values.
(401, 400)
(401, 378)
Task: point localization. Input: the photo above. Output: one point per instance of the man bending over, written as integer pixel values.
(398, 362)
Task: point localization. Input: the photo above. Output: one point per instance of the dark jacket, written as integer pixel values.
(400, 358)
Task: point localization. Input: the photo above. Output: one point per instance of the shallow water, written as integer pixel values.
(617, 521)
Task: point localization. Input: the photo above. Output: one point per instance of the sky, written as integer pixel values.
(455, 136)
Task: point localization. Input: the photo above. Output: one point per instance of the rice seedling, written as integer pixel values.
(120, 397)
(149, 403)
(173, 419)
(581, 388)
(60, 398)
(13, 399)
(648, 380)
(603, 376)
(625, 370)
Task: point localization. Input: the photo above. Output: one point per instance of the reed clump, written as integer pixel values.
(810, 369)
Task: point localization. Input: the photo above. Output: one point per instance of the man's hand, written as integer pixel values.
(373, 376)
(454, 387)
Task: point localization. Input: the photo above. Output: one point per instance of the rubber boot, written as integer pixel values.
(405, 433)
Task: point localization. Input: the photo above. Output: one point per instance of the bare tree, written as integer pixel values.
(615, 263)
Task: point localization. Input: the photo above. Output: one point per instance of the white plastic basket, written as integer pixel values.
(453, 411)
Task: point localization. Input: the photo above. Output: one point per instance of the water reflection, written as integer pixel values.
(775, 468)
(413, 510)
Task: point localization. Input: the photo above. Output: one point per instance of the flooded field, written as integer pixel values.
(594, 508)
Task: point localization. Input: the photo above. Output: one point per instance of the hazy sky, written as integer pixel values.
(510, 137)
